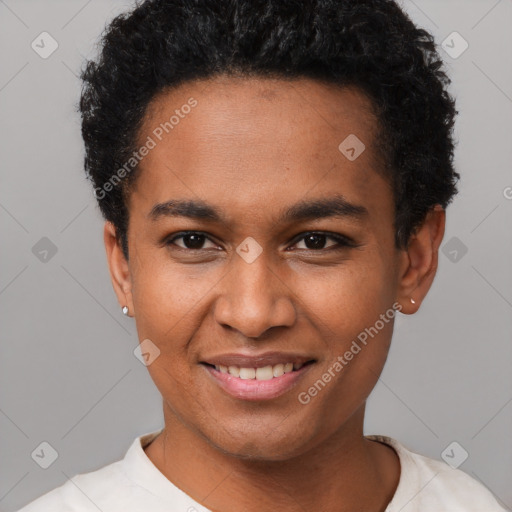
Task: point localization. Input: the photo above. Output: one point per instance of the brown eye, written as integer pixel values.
(190, 241)
(317, 241)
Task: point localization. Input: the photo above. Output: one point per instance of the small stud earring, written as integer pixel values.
(413, 301)
(125, 310)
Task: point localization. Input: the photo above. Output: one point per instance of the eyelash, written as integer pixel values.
(343, 242)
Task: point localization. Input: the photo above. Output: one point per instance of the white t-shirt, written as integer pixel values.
(134, 484)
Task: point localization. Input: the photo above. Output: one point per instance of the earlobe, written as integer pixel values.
(118, 268)
(420, 260)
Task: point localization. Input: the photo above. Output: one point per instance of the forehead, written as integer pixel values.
(253, 107)
(257, 140)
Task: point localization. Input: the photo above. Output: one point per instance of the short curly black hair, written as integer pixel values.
(370, 44)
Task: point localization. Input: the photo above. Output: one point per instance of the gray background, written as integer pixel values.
(68, 375)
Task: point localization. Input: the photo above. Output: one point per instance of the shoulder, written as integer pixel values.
(82, 493)
(428, 485)
(121, 485)
(107, 488)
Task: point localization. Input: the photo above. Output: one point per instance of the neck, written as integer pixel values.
(345, 472)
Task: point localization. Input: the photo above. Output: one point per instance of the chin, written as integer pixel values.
(262, 444)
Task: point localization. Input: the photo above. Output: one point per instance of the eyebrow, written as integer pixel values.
(336, 206)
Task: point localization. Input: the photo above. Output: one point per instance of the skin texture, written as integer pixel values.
(252, 147)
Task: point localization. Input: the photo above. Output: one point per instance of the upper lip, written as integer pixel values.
(257, 361)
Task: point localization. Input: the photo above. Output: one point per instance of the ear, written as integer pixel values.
(420, 259)
(118, 267)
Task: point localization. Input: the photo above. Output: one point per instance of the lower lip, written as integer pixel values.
(253, 389)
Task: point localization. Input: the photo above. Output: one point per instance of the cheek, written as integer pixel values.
(170, 301)
(349, 297)
(164, 292)
(346, 308)
(164, 300)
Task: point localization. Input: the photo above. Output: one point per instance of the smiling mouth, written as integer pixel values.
(262, 373)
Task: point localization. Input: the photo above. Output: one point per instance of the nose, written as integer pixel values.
(254, 298)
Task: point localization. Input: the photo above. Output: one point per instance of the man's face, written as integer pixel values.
(253, 149)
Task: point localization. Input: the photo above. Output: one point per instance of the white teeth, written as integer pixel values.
(234, 370)
(278, 370)
(247, 373)
(264, 373)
